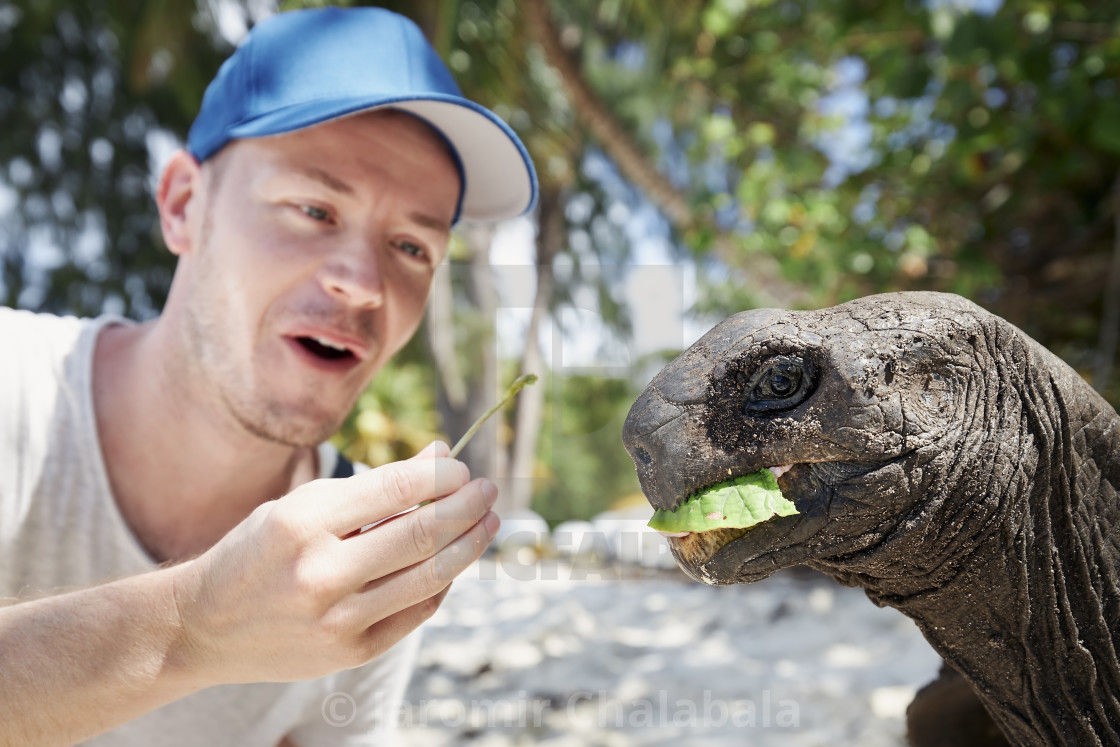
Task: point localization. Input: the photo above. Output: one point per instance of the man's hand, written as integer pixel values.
(295, 591)
(298, 591)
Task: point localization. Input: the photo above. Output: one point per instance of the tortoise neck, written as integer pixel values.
(1031, 614)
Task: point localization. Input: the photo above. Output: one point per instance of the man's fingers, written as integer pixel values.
(418, 535)
(387, 596)
(381, 636)
(382, 492)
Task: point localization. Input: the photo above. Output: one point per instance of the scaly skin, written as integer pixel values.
(943, 461)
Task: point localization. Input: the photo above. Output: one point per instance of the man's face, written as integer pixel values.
(315, 251)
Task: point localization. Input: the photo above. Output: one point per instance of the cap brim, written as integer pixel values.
(499, 180)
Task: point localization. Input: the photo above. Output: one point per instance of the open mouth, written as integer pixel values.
(695, 548)
(325, 349)
(723, 521)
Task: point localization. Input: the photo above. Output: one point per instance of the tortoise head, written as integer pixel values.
(874, 406)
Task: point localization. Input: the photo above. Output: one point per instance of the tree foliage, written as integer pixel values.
(86, 89)
(872, 145)
(583, 471)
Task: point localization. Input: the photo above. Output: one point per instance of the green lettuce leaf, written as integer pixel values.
(741, 502)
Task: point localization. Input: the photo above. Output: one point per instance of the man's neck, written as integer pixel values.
(183, 471)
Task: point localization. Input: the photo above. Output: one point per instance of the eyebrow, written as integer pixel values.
(330, 181)
(334, 183)
(429, 221)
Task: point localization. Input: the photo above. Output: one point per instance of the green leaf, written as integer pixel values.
(738, 503)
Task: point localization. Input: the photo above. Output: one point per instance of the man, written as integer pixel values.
(142, 464)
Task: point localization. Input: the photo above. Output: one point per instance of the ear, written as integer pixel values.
(177, 198)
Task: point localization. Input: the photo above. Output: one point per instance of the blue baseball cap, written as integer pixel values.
(305, 67)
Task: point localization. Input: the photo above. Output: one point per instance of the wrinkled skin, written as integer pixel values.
(942, 460)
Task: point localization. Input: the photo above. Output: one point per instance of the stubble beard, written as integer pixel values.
(275, 428)
(212, 360)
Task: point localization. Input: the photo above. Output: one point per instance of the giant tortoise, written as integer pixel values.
(938, 458)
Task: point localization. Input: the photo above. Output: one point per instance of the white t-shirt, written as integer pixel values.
(60, 528)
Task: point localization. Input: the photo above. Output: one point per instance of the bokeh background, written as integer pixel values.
(697, 157)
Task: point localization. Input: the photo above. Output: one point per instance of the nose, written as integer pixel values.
(353, 275)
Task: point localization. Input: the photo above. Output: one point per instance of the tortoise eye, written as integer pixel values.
(781, 383)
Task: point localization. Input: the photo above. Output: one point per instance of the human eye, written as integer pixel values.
(411, 248)
(315, 212)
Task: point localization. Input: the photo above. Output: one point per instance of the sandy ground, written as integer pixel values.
(575, 655)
